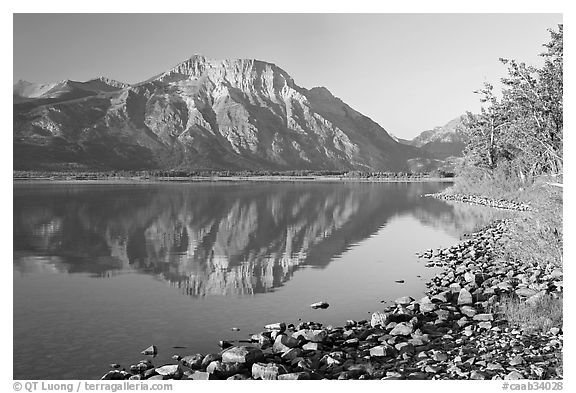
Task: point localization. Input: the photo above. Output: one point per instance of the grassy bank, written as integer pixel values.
(535, 237)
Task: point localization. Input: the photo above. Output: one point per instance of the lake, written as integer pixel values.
(102, 271)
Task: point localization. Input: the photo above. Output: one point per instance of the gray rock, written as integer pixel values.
(284, 343)
(483, 317)
(378, 319)
(319, 305)
(201, 376)
(193, 361)
(311, 346)
(268, 371)
(151, 350)
(243, 354)
(477, 375)
(317, 336)
(516, 360)
(514, 375)
(170, 370)
(402, 329)
(404, 300)
(276, 326)
(224, 370)
(525, 292)
(209, 359)
(381, 351)
(464, 297)
(303, 375)
(468, 311)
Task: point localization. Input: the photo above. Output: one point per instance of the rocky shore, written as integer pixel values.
(480, 200)
(456, 331)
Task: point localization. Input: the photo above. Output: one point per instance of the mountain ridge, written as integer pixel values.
(202, 113)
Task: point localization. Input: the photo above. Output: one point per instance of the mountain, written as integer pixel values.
(239, 114)
(444, 141)
(211, 239)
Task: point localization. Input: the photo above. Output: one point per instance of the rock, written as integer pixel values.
(311, 346)
(468, 311)
(525, 292)
(514, 375)
(151, 350)
(291, 354)
(440, 356)
(156, 377)
(378, 319)
(402, 329)
(284, 343)
(483, 317)
(244, 354)
(321, 305)
(516, 360)
(494, 366)
(235, 329)
(170, 370)
(477, 375)
(554, 331)
(404, 300)
(470, 277)
(193, 361)
(209, 359)
(224, 370)
(113, 375)
(441, 297)
(267, 371)
(400, 281)
(464, 297)
(240, 377)
(318, 335)
(114, 365)
(225, 344)
(381, 351)
(303, 375)
(201, 376)
(276, 326)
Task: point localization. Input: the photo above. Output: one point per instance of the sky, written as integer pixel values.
(408, 72)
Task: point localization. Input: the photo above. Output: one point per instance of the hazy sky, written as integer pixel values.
(408, 72)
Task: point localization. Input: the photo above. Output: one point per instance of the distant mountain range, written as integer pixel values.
(237, 114)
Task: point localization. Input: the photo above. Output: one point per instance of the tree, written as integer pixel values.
(524, 129)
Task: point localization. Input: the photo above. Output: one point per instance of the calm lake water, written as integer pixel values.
(102, 271)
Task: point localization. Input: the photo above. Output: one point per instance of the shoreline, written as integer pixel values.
(456, 331)
(222, 179)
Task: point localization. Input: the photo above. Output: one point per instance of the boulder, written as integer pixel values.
(267, 371)
(170, 371)
(209, 359)
(317, 336)
(402, 329)
(382, 350)
(193, 361)
(224, 370)
(243, 354)
(284, 343)
(464, 297)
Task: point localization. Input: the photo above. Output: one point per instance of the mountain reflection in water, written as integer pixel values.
(210, 238)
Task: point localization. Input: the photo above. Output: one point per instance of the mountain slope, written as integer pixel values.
(201, 114)
(444, 141)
